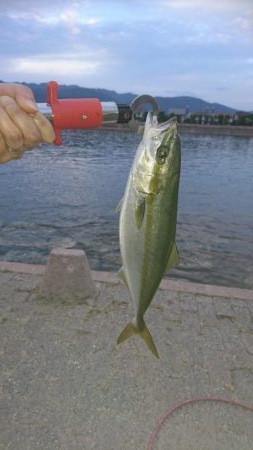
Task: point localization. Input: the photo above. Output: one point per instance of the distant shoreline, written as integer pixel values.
(218, 130)
(187, 128)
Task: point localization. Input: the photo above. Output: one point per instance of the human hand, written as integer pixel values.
(22, 126)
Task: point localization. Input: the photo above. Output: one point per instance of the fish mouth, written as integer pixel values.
(164, 126)
(161, 128)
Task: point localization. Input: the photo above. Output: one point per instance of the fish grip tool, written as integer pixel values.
(79, 113)
(137, 103)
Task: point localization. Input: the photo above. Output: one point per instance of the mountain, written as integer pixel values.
(165, 103)
(193, 104)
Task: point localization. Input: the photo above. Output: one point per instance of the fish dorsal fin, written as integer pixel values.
(173, 259)
(139, 210)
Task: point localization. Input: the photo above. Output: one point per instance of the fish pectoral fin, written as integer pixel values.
(139, 210)
(119, 205)
(131, 329)
(173, 259)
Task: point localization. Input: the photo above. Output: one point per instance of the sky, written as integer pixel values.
(201, 48)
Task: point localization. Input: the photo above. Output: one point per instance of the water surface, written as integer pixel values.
(68, 195)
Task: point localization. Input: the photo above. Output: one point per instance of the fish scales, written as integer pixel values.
(148, 217)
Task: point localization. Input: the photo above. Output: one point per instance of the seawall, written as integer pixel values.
(217, 130)
(186, 128)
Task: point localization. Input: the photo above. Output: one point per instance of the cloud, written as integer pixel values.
(70, 18)
(207, 6)
(176, 46)
(83, 67)
(56, 64)
(72, 15)
(244, 23)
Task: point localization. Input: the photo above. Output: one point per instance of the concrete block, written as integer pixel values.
(67, 276)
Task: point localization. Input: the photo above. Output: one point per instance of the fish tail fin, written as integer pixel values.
(131, 329)
(128, 331)
(146, 336)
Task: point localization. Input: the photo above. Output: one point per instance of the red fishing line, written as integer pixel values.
(187, 402)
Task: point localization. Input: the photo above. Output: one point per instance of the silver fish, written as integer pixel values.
(148, 217)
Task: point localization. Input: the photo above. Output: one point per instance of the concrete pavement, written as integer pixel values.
(66, 385)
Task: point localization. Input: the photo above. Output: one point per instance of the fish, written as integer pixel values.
(148, 219)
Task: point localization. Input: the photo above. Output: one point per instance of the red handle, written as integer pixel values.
(72, 113)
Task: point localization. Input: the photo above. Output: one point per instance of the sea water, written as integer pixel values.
(68, 196)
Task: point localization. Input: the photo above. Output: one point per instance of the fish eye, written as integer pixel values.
(161, 155)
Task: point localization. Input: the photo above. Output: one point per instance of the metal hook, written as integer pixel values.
(141, 99)
(136, 103)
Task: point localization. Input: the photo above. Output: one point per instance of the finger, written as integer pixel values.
(3, 151)
(5, 154)
(45, 128)
(22, 94)
(5, 157)
(24, 122)
(12, 135)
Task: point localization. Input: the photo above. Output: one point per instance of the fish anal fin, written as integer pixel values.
(173, 259)
(132, 329)
(121, 275)
(139, 210)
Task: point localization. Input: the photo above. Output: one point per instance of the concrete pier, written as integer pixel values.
(67, 385)
(67, 277)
